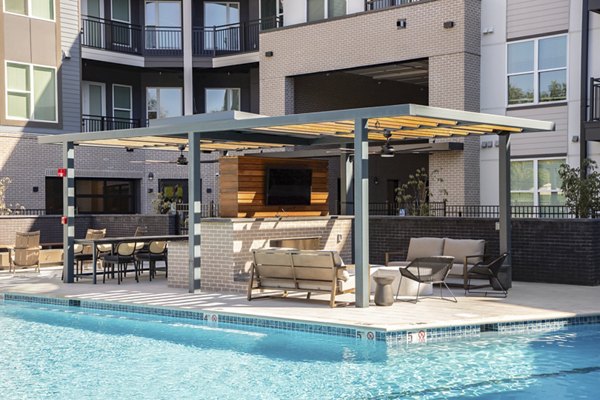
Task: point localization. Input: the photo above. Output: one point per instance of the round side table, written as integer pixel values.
(383, 290)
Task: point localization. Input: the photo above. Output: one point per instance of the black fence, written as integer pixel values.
(442, 209)
(94, 123)
(111, 35)
(207, 210)
(23, 211)
(230, 39)
(381, 4)
(595, 99)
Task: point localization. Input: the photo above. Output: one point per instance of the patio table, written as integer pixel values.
(114, 240)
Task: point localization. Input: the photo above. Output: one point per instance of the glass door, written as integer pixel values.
(224, 17)
(93, 102)
(93, 24)
(121, 30)
(163, 25)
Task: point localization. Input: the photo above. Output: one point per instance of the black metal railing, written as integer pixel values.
(168, 40)
(163, 40)
(442, 209)
(595, 99)
(381, 4)
(111, 35)
(230, 39)
(207, 210)
(23, 211)
(94, 123)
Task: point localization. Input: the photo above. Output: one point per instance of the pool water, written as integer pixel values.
(68, 353)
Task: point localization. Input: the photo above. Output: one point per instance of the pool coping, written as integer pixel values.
(429, 333)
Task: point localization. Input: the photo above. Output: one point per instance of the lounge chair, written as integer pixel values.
(429, 270)
(487, 269)
(26, 252)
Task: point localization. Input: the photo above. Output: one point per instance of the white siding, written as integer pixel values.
(543, 143)
(70, 69)
(536, 17)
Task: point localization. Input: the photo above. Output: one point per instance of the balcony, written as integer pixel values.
(594, 100)
(168, 41)
(94, 123)
(381, 4)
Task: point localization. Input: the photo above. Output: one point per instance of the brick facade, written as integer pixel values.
(371, 39)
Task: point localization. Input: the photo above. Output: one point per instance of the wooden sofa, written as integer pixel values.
(466, 253)
(319, 271)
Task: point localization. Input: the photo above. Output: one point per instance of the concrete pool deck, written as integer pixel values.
(525, 302)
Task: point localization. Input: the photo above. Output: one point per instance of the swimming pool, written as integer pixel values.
(69, 353)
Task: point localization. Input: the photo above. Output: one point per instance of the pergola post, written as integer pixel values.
(346, 179)
(68, 211)
(194, 211)
(504, 206)
(361, 211)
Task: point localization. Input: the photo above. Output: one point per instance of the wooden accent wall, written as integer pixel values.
(242, 187)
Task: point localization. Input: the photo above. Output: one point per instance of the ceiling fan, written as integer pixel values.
(387, 150)
(181, 159)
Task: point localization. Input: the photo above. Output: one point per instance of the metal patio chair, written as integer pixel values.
(428, 270)
(487, 269)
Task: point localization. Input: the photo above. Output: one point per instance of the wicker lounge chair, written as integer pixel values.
(429, 270)
(487, 269)
(26, 252)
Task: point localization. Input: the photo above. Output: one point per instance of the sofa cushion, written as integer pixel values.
(460, 248)
(424, 247)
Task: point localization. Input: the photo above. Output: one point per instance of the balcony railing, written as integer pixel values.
(93, 123)
(111, 35)
(168, 41)
(595, 99)
(381, 4)
(163, 40)
(230, 39)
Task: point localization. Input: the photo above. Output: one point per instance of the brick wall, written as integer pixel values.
(51, 230)
(226, 247)
(179, 266)
(543, 250)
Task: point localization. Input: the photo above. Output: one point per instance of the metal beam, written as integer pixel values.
(69, 211)
(504, 203)
(194, 212)
(257, 137)
(361, 212)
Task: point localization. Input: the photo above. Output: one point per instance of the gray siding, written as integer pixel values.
(536, 17)
(543, 143)
(70, 69)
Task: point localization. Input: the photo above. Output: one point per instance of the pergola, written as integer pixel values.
(250, 131)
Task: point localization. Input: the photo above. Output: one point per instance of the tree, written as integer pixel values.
(413, 195)
(4, 182)
(582, 195)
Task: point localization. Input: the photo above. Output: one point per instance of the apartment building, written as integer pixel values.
(72, 66)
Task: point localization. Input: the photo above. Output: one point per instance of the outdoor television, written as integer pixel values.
(288, 186)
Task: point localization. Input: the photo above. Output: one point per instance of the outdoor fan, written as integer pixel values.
(387, 150)
(181, 160)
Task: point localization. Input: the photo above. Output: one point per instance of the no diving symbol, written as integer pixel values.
(416, 337)
(214, 318)
(370, 335)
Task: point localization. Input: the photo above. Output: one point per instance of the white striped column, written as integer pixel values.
(195, 211)
(68, 210)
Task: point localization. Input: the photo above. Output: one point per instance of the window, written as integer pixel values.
(30, 92)
(122, 106)
(163, 25)
(163, 102)
(537, 70)
(321, 9)
(94, 196)
(536, 182)
(43, 9)
(222, 100)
